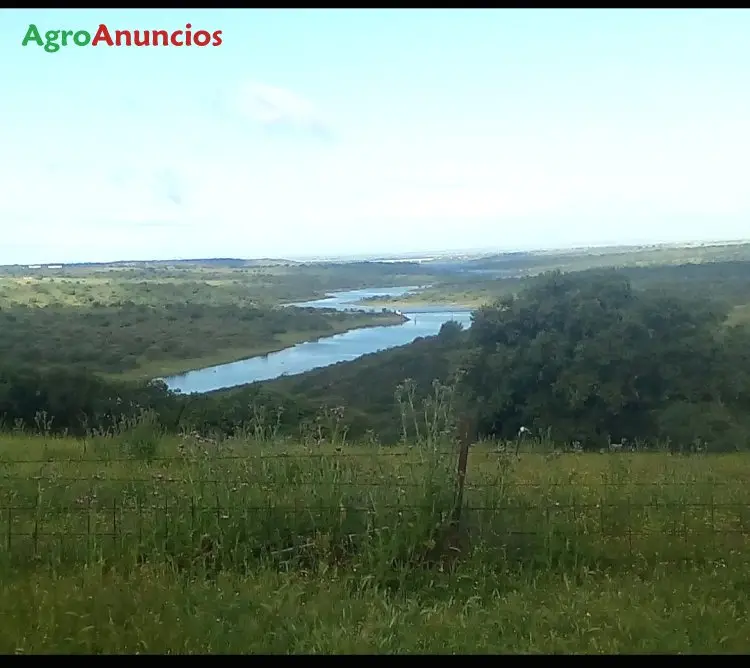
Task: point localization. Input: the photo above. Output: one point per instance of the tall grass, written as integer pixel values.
(325, 545)
(241, 504)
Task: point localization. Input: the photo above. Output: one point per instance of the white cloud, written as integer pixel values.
(275, 107)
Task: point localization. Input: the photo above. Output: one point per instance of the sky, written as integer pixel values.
(341, 132)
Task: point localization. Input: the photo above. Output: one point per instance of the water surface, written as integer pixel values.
(423, 321)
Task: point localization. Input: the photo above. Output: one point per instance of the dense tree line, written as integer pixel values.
(66, 400)
(583, 356)
(726, 282)
(117, 339)
(596, 359)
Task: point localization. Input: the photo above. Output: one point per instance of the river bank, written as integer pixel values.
(167, 368)
(327, 350)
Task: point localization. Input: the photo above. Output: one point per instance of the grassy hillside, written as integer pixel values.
(265, 546)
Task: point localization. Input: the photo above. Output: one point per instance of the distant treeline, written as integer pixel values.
(62, 400)
(583, 357)
(117, 339)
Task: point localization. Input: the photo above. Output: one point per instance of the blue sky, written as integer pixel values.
(327, 132)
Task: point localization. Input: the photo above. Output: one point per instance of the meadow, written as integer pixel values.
(135, 542)
(151, 321)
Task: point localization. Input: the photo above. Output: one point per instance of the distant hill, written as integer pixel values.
(208, 262)
(205, 262)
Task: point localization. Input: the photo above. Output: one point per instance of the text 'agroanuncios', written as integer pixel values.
(54, 40)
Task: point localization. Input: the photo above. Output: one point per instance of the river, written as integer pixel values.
(303, 357)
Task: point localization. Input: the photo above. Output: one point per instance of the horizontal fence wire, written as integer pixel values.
(523, 484)
(118, 512)
(213, 454)
(93, 506)
(633, 534)
(343, 454)
(692, 511)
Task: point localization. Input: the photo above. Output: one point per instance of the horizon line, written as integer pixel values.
(404, 256)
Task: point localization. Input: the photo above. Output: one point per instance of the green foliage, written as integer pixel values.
(140, 437)
(236, 283)
(714, 272)
(271, 519)
(242, 545)
(365, 386)
(158, 319)
(123, 338)
(590, 358)
(64, 400)
(450, 332)
(156, 610)
(639, 353)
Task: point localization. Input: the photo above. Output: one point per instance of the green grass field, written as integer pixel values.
(131, 542)
(689, 610)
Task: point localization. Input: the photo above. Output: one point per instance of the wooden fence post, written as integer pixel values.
(464, 441)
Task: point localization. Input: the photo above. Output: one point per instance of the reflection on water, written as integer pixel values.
(425, 321)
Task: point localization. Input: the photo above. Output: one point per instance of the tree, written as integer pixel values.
(450, 332)
(590, 358)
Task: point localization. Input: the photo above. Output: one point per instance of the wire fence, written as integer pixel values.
(271, 503)
(551, 484)
(151, 528)
(340, 454)
(639, 529)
